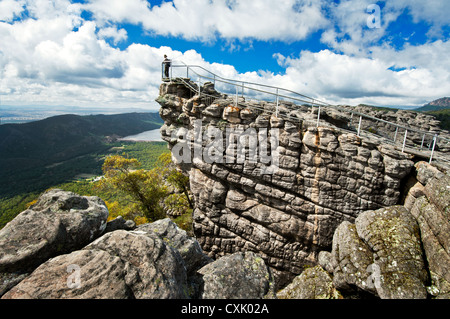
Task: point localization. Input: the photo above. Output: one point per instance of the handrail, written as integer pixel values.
(216, 77)
(301, 98)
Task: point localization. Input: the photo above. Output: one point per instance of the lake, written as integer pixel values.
(147, 136)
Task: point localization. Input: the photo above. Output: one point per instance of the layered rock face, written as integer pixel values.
(397, 252)
(278, 186)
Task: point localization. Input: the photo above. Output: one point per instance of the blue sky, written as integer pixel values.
(107, 53)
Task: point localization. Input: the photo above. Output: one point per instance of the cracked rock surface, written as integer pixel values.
(323, 176)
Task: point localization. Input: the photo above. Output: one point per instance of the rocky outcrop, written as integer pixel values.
(59, 222)
(415, 120)
(432, 212)
(313, 283)
(119, 223)
(285, 207)
(240, 276)
(96, 274)
(393, 252)
(188, 247)
(151, 261)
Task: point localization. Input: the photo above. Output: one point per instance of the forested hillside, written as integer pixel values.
(40, 154)
(146, 152)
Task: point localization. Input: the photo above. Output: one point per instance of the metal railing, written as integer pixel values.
(264, 92)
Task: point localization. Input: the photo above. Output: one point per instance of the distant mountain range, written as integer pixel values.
(437, 105)
(30, 151)
(440, 109)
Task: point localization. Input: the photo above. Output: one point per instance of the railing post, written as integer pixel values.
(278, 103)
(359, 125)
(242, 89)
(396, 132)
(423, 141)
(404, 141)
(434, 146)
(199, 88)
(318, 117)
(187, 73)
(236, 96)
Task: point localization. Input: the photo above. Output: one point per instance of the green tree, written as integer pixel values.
(145, 187)
(173, 176)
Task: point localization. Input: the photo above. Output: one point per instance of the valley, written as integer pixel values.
(67, 151)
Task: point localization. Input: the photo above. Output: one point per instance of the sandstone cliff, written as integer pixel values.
(398, 252)
(324, 175)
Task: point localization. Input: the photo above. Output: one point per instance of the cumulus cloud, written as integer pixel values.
(9, 9)
(117, 35)
(53, 56)
(205, 19)
(340, 78)
(79, 58)
(434, 12)
(65, 60)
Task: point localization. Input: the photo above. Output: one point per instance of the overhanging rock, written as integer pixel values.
(271, 185)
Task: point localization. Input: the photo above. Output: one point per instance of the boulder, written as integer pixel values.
(313, 283)
(394, 237)
(231, 114)
(351, 259)
(118, 265)
(119, 223)
(154, 270)
(381, 255)
(432, 213)
(425, 172)
(82, 274)
(237, 276)
(30, 239)
(58, 223)
(172, 235)
(84, 218)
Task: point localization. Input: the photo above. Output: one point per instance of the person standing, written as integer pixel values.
(167, 63)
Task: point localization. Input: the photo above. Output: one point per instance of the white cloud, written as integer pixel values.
(340, 78)
(117, 35)
(344, 79)
(65, 61)
(205, 19)
(9, 9)
(55, 57)
(350, 33)
(81, 57)
(132, 11)
(354, 29)
(435, 12)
